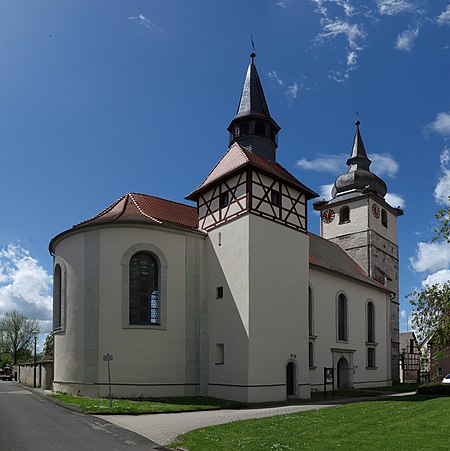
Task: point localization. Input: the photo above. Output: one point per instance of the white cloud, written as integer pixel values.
(325, 191)
(334, 26)
(442, 190)
(147, 23)
(291, 91)
(352, 32)
(383, 164)
(444, 17)
(25, 286)
(283, 3)
(439, 277)
(274, 76)
(431, 257)
(406, 319)
(405, 40)
(395, 200)
(441, 124)
(333, 164)
(393, 7)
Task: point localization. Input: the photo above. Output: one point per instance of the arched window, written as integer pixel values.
(384, 219)
(260, 129)
(57, 297)
(370, 322)
(342, 318)
(344, 215)
(144, 290)
(310, 313)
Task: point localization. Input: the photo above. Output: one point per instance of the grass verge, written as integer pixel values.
(412, 422)
(141, 406)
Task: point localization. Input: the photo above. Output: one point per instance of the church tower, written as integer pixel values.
(255, 214)
(361, 222)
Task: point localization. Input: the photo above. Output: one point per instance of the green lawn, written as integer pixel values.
(409, 423)
(140, 406)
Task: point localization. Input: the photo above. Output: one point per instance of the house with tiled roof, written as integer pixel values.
(231, 296)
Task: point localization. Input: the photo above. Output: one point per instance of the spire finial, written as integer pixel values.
(253, 54)
(357, 122)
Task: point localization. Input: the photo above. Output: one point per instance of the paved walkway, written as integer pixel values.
(165, 427)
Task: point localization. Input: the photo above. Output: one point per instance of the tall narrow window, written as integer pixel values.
(370, 323)
(384, 219)
(260, 129)
(224, 199)
(311, 354)
(344, 215)
(244, 129)
(57, 297)
(144, 290)
(310, 313)
(342, 317)
(370, 357)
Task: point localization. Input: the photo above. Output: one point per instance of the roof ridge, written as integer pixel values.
(103, 212)
(141, 211)
(162, 198)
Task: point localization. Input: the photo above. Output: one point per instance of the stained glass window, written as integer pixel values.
(144, 290)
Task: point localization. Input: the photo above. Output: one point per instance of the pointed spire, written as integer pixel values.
(253, 127)
(252, 99)
(358, 178)
(358, 158)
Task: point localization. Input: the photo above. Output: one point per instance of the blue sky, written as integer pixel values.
(98, 98)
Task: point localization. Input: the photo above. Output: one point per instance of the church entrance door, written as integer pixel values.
(343, 373)
(290, 379)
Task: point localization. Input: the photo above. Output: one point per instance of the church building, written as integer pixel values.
(231, 296)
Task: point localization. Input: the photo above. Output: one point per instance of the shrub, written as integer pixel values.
(434, 388)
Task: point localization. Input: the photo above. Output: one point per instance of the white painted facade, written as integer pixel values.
(249, 306)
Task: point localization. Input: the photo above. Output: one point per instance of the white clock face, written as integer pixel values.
(328, 216)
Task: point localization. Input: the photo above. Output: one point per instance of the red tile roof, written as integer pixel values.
(330, 256)
(135, 207)
(237, 157)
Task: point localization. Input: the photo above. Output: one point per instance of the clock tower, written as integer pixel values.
(361, 222)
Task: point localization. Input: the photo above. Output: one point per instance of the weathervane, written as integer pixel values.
(253, 54)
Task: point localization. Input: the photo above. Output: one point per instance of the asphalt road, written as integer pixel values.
(30, 422)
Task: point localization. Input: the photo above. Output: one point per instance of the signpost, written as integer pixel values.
(107, 358)
(328, 378)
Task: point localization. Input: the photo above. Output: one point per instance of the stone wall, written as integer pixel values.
(44, 374)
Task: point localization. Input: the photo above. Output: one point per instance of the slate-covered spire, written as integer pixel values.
(358, 159)
(253, 127)
(252, 99)
(358, 177)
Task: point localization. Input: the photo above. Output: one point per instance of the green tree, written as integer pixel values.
(431, 315)
(443, 229)
(16, 335)
(48, 345)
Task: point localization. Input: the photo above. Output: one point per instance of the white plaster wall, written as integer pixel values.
(69, 345)
(146, 361)
(227, 261)
(358, 219)
(390, 232)
(325, 287)
(278, 308)
(141, 355)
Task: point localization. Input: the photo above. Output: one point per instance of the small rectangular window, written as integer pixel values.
(224, 199)
(371, 357)
(219, 292)
(311, 354)
(220, 354)
(275, 197)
